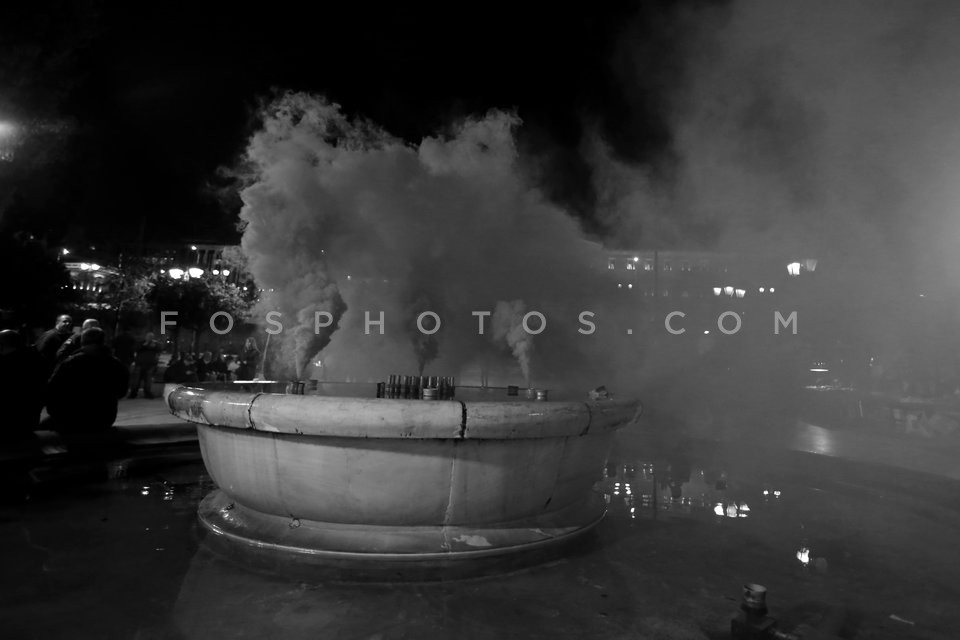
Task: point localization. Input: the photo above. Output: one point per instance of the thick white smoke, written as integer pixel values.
(342, 215)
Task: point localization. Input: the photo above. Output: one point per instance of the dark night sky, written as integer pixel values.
(159, 96)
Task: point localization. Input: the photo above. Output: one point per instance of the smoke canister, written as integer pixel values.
(754, 599)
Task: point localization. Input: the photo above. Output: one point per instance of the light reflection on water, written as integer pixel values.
(645, 489)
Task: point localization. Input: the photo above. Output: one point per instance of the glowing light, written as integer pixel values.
(193, 247)
(741, 293)
(175, 273)
(810, 264)
(717, 291)
(225, 272)
(630, 286)
(216, 272)
(195, 272)
(772, 289)
(765, 492)
(84, 266)
(94, 267)
(793, 268)
(803, 555)
(718, 509)
(636, 259)
(728, 290)
(706, 332)
(619, 285)
(776, 493)
(731, 511)
(7, 129)
(819, 370)
(66, 252)
(761, 289)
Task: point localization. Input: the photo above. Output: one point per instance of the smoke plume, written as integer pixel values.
(344, 218)
(507, 326)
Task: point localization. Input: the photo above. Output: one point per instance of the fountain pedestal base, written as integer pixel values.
(387, 552)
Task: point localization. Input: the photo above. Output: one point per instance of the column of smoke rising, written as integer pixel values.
(506, 326)
(426, 347)
(451, 221)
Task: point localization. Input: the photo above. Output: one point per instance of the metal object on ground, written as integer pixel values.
(752, 622)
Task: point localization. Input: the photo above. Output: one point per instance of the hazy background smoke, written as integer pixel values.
(817, 128)
(813, 129)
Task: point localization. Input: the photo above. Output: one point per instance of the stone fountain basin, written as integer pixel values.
(348, 475)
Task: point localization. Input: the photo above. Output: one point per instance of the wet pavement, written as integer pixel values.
(858, 550)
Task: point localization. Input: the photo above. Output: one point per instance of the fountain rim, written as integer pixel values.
(352, 417)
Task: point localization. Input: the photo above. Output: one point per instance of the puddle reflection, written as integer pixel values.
(643, 489)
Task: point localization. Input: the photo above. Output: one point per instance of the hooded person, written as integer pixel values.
(83, 391)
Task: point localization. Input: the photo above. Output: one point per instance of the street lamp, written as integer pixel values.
(195, 272)
(175, 273)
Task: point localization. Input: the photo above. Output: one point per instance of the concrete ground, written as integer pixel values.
(851, 530)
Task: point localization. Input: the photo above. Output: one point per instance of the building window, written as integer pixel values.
(648, 266)
(611, 265)
(631, 266)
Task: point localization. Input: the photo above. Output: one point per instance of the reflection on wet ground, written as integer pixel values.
(854, 550)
